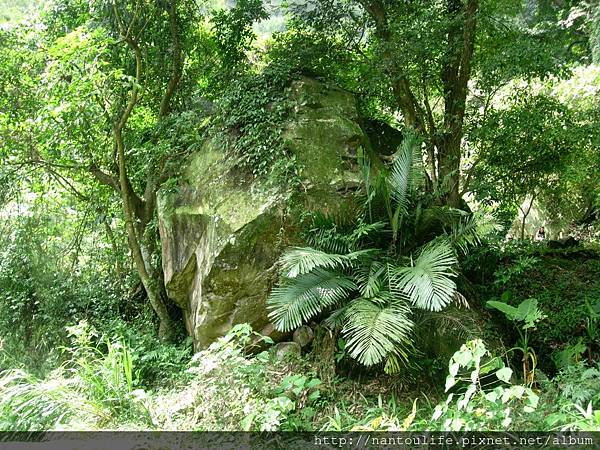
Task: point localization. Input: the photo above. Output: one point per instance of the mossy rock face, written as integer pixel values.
(222, 234)
(325, 134)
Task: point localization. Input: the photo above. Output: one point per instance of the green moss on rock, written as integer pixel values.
(222, 233)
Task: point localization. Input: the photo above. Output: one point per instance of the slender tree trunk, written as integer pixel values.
(449, 168)
(135, 237)
(525, 214)
(139, 210)
(455, 75)
(165, 104)
(166, 328)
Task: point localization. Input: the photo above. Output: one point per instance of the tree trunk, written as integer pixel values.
(166, 328)
(138, 211)
(135, 237)
(449, 168)
(525, 215)
(455, 75)
(113, 243)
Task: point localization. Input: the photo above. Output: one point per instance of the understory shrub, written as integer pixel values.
(42, 289)
(488, 403)
(397, 256)
(566, 285)
(231, 390)
(91, 390)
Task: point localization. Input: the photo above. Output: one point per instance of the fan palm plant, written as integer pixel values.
(401, 254)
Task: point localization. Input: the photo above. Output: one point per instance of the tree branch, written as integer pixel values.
(400, 84)
(104, 178)
(165, 104)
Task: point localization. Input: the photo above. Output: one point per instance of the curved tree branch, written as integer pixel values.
(165, 104)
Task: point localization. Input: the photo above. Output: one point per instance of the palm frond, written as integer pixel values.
(373, 331)
(337, 317)
(434, 219)
(330, 232)
(302, 260)
(370, 277)
(428, 282)
(406, 173)
(469, 231)
(328, 240)
(397, 360)
(451, 325)
(296, 301)
(364, 230)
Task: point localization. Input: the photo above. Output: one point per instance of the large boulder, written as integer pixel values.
(222, 234)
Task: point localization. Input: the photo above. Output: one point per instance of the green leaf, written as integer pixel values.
(529, 313)
(453, 369)
(300, 261)
(428, 283)
(406, 173)
(373, 331)
(450, 381)
(504, 374)
(491, 396)
(313, 383)
(526, 309)
(300, 299)
(509, 311)
(314, 395)
(370, 278)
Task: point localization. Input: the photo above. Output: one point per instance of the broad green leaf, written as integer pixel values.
(504, 374)
(509, 311)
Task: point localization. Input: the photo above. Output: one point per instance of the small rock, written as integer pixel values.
(303, 336)
(567, 242)
(285, 349)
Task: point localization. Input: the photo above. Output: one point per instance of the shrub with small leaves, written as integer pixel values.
(478, 408)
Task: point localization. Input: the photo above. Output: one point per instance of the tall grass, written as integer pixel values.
(30, 404)
(94, 388)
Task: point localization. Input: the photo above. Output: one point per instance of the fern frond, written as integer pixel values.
(373, 331)
(428, 282)
(370, 277)
(406, 173)
(469, 231)
(298, 300)
(302, 260)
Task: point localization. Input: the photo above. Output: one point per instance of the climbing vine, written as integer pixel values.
(257, 109)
